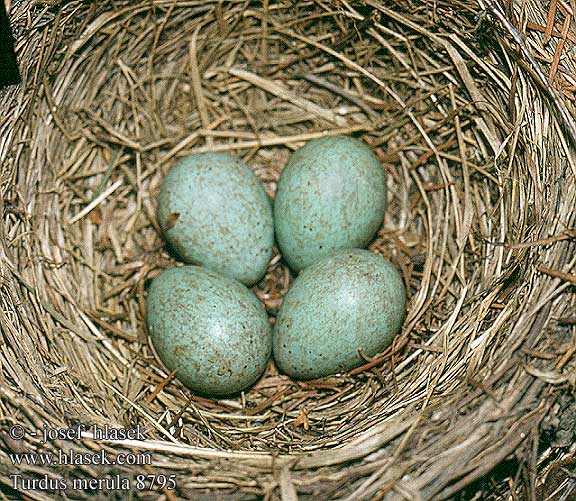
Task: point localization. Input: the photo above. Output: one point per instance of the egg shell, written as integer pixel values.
(210, 328)
(351, 300)
(214, 212)
(331, 195)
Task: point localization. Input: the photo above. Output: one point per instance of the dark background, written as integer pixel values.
(9, 73)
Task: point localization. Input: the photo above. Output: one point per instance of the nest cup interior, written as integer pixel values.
(147, 83)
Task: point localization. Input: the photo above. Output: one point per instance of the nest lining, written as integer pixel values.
(471, 172)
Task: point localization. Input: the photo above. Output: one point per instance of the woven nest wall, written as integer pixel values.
(472, 123)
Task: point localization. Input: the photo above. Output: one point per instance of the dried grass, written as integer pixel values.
(478, 144)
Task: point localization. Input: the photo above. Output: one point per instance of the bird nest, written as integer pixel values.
(467, 104)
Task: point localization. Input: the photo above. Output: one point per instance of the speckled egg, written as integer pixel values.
(214, 212)
(210, 328)
(349, 301)
(331, 195)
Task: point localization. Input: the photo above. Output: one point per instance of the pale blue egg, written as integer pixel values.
(210, 328)
(214, 212)
(331, 195)
(352, 300)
